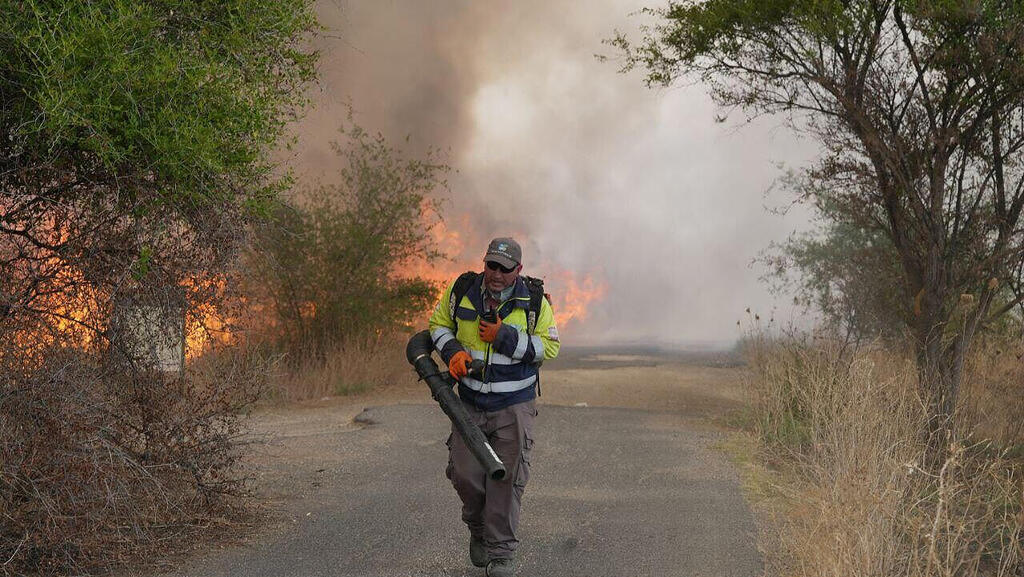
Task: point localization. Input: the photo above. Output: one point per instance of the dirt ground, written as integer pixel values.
(295, 447)
(706, 387)
(696, 385)
(702, 385)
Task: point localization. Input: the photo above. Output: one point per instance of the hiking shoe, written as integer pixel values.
(499, 568)
(477, 554)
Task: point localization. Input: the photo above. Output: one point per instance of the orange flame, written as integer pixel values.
(451, 242)
(572, 297)
(77, 315)
(75, 312)
(71, 306)
(571, 294)
(205, 324)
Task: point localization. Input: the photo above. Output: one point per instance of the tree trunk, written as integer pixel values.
(939, 367)
(939, 379)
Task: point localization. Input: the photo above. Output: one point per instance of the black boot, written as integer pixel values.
(477, 553)
(501, 567)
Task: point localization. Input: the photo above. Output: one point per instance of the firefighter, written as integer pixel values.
(504, 319)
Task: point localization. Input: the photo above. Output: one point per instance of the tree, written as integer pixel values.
(919, 106)
(129, 127)
(134, 141)
(329, 262)
(848, 274)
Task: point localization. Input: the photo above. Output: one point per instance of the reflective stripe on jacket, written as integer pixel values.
(512, 359)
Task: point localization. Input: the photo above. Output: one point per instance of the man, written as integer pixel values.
(501, 401)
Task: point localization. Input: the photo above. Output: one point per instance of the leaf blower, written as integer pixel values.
(418, 352)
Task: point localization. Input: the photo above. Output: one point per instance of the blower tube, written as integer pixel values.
(418, 353)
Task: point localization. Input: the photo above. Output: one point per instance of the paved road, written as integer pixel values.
(613, 493)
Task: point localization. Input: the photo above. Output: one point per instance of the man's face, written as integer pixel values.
(495, 277)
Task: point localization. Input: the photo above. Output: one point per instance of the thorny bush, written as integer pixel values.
(110, 444)
(135, 144)
(99, 463)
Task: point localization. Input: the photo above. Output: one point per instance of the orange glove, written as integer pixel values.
(489, 331)
(458, 366)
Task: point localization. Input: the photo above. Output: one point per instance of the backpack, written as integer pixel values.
(534, 285)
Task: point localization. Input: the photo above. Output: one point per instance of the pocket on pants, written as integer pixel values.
(523, 473)
(448, 470)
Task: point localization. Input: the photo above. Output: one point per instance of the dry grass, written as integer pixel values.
(344, 369)
(847, 431)
(993, 393)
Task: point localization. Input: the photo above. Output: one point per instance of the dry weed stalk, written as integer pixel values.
(848, 428)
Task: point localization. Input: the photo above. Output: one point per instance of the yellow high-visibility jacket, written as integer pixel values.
(512, 359)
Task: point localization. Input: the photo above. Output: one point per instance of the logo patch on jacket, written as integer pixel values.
(553, 333)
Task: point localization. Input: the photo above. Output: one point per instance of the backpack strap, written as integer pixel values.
(536, 288)
(534, 285)
(460, 289)
(537, 294)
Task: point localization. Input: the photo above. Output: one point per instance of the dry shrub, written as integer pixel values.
(993, 390)
(99, 464)
(346, 368)
(848, 430)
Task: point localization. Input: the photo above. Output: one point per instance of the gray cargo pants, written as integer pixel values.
(491, 508)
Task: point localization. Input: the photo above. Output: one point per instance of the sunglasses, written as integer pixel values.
(496, 266)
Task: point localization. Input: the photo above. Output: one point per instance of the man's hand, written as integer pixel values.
(489, 331)
(458, 366)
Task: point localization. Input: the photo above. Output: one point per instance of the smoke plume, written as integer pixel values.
(640, 192)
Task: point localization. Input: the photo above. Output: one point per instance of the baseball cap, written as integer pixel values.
(504, 251)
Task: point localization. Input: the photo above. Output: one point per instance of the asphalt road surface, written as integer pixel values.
(613, 493)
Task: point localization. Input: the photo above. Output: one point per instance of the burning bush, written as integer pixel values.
(110, 444)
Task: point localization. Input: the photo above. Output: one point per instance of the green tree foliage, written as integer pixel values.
(848, 274)
(134, 141)
(332, 262)
(918, 107)
(172, 101)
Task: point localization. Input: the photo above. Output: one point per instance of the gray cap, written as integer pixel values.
(504, 251)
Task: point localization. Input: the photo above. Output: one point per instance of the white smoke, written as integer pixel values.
(640, 189)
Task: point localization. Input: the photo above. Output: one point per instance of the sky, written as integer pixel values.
(634, 197)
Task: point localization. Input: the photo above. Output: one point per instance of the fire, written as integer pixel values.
(66, 309)
(72, 315)
(571, 293)
(572, 296)
(80, 314)
(77, 317)
(450, 241)
(205, 324)
(70, 309)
